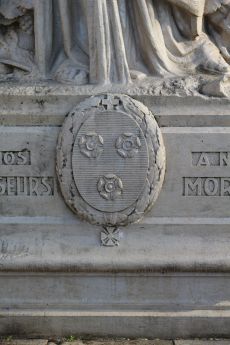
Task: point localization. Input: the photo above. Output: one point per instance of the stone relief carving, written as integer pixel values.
(110, 41)
(124, 181)
(110, 237)
(126, 40)
(110, 186)
(91, 145)
(16, 36)
(128, 144)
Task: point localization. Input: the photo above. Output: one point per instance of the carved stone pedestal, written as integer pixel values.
(83, 250)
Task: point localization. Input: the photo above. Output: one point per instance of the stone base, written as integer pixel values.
(168, 277)
(145, 305)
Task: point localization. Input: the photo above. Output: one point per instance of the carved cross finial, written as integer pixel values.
(110, 102)
(110, 237)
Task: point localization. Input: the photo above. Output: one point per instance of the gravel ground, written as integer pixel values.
(71, 340)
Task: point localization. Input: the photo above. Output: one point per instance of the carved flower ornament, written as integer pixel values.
(128, 145)
(91, 145)
(110, 187)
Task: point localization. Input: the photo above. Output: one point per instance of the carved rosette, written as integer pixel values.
(110, 160)
(110, 187)
(128, 145)
(91, 145)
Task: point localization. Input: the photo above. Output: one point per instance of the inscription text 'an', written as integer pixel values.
(208, 159)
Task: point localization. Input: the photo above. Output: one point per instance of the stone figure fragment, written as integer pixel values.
(219, 26)
(16, 35)
(119, 40)
(26, 37)
(171, 38)
(93, 42)
(114, 41)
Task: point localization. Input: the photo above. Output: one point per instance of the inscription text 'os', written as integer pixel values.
(15, 157)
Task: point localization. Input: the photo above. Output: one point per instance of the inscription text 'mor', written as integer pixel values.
(206, 186)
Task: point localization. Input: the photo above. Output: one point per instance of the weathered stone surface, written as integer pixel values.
(194, 222)
(120, 342)
(76, 342)
(131, 342)
(48, 105)
(125, 342)
(217, 88)
(73, 341)
(202, 342)
(85, 304)
(11, 341)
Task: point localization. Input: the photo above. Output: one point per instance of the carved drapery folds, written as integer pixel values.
(113, 41)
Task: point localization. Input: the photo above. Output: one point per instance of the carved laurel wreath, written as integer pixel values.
(156, 168)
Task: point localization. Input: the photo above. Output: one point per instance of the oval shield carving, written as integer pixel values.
(110, 160)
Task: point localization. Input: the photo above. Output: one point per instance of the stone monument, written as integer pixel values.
(114, 168)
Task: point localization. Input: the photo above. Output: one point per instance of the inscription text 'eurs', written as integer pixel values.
(26, 186)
